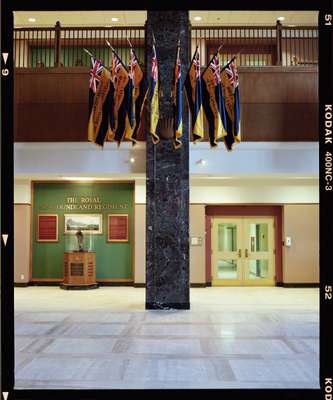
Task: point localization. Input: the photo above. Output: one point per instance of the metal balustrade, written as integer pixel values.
(253, 45)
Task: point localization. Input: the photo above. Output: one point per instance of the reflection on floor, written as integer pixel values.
(231, 338)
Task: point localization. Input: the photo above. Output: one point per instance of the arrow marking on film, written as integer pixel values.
(5, 394)
(5, 57)
(5, 238)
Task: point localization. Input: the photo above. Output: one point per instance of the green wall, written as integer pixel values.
(113, 260)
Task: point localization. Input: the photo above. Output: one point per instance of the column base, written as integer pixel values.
(65, 286)
(167, 306)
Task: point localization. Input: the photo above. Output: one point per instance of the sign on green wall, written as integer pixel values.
(113, 259)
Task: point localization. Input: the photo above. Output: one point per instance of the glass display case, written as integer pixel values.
(79, 242)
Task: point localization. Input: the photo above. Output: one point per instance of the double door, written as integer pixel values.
(243, 251)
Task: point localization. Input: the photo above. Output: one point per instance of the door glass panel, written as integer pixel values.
(227, 269)
(227, 237)
(258, 269)
(258, 237)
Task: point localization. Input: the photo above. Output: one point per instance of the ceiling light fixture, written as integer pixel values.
(280, 18)
(197, 18)
(114, 19)
(202, 162)
(132, 160)
(32, 19)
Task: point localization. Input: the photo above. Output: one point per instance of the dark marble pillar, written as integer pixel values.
(167, 229)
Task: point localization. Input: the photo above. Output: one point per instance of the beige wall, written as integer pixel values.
(140, 244)
(301, 260)
(22, 222)
(197, 253)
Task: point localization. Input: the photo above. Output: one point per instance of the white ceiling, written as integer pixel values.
(128, 18)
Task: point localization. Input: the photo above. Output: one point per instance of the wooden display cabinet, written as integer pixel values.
(79, 270)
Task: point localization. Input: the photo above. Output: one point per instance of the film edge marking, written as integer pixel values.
(5, 57)
(5, 238)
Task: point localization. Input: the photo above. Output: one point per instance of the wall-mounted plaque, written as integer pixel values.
(47, 228)
(118, 228)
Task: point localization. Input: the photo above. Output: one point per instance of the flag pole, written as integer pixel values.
(91, 55)
(228, 63)
(114, 52)
(216, 53)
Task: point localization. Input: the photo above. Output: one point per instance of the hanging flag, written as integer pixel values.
(122, 91)
(230, 83)
(100, 103)
(154, 100)
(178, 102)
(213, 101)
(193, 91)
(137, 97)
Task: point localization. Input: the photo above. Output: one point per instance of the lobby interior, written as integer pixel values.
(252, 322)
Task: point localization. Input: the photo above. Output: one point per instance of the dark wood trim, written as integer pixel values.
(21, 284)
(198, 285)
(300, 285)
(246, 211)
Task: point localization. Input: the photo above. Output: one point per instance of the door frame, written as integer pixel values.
(258, 210)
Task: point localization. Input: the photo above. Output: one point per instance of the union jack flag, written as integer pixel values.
(133, 65)
(196, 63)
(232, 73)
(215, 66)
(116, 65)
(154, 69)
(96, 69)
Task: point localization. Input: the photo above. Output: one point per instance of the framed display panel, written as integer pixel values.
(47, 228)
(87, 223)
(118, 228)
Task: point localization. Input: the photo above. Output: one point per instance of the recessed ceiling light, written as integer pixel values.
(132, 160)
(197, 18)
(32, 19)
(114, 19)
(280, 18)
(78, 178)
(202, 162)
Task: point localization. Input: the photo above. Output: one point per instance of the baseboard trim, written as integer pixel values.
(167, 306)
(20, 284)
(192, 285)
(115, 283)
(301, 285)
(37, 283)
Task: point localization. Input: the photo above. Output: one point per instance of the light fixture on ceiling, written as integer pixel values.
(197, 18)
(78, 178)
(132, 160)
(114, 19)
(32, 19)
(202, 162)
(280, 18)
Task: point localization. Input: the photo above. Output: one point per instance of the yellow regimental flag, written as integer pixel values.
(212, 106)
(121, 97)
(193, 90)
(228, 94)
(230, 83)
(154, 102)
(99, 126)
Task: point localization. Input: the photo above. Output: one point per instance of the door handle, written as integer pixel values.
(246, 253)
(239, 253)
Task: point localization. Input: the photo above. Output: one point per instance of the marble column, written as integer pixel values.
(167, 227)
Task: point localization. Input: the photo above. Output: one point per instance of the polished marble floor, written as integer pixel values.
(231, 338)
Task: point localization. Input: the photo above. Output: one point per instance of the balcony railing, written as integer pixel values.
(254, 46)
